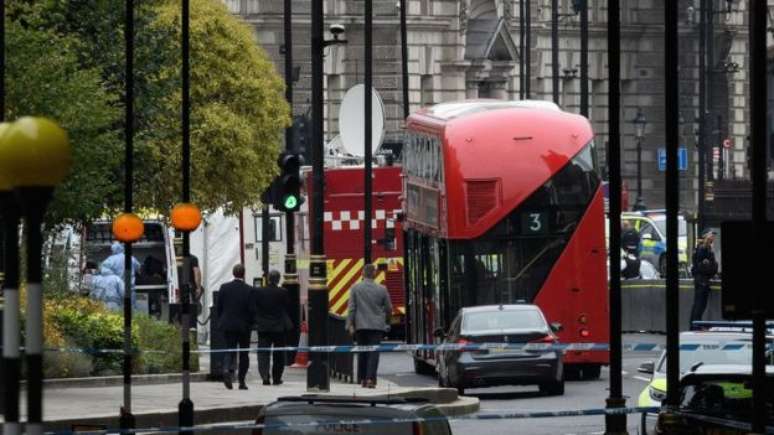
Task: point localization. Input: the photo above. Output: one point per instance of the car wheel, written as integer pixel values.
(591, 372)
(553, 388)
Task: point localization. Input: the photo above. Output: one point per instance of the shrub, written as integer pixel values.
(73, 321)
(159, 336)
(90, 326)
(67, 364)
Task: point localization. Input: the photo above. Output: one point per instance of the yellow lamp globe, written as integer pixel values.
(5, 180)
(35, 152)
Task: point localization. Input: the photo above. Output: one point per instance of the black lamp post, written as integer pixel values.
(33, 179)
(639, 122)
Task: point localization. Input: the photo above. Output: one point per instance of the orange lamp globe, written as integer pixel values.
(186, 217)
(128, 227)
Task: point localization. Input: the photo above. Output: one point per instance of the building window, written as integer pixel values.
(426, 87)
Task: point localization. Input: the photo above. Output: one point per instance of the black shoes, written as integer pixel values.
(266, 382)
(242, 386)
(227, 381)
(278, 382)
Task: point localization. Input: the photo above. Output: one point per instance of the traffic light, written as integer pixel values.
(301, 136)
(287, 196)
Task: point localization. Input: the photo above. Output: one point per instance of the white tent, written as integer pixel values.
(216, 244)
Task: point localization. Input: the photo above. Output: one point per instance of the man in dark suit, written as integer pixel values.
(235, 314)
(272, 321)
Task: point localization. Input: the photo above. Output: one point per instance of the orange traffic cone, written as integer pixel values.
(302, 357)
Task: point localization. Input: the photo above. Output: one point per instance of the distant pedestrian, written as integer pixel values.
(630, 239)
(235, 317)
(272, 305)
(108, 288)
(703, 270)
(369, 311)
(116, 262)
(89, 272)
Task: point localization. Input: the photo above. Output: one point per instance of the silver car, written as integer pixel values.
(520, 324)
(312, 414)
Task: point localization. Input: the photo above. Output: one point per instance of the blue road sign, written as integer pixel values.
(682, 159)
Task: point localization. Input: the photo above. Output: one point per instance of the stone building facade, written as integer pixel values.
(461, 49)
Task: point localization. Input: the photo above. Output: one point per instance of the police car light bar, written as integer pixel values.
(730, 326)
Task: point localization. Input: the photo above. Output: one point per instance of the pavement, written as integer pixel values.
(156, 405)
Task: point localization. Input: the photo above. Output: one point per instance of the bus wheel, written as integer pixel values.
(572, 372)
(423, 368)
(591, 372)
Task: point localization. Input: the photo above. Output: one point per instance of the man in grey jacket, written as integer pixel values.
(369, 310)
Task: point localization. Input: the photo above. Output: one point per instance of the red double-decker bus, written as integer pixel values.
(503, 204)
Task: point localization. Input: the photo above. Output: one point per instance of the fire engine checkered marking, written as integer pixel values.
(346, 272)
(338, 219)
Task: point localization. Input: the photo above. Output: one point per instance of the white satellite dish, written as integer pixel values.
(352, 120)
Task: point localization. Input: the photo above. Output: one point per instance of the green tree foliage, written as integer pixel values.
(238, 110)
(45, 78)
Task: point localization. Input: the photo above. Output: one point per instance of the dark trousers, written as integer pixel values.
(269, 339)
(233, 340)
(700, 298)
(368, 362)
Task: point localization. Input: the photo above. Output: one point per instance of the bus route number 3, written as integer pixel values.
(534, 223)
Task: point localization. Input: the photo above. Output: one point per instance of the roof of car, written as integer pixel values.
(727, 369)
(689, 336)
(510, 307)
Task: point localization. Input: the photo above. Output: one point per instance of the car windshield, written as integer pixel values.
(661, 224)
(710, 353)
(502, 320)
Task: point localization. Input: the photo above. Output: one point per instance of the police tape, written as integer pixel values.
(333, 425)
(444, 347)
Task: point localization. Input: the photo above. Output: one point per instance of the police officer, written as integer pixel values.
(703, 270)
(630, 239)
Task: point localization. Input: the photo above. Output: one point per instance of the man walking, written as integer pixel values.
(235, 314)
(272, 304)
(369, 310)
(704, 268)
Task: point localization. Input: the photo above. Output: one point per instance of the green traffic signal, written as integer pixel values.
(290, 202)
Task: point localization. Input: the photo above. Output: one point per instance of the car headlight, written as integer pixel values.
(656, 395)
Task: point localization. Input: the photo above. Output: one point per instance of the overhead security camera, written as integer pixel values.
(337, 30)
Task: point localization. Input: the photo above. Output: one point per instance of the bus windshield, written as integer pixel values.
(511, 261)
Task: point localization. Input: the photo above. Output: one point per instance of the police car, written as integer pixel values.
(321, 414)
(651, 225)
(719, 345)
(715, 400)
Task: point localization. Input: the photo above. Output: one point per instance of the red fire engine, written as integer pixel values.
(344, 220)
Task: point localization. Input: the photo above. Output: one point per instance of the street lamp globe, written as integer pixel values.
(35, 152)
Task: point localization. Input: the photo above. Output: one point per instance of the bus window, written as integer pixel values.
(512, 260)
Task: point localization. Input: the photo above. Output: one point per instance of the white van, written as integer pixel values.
(157, 283)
